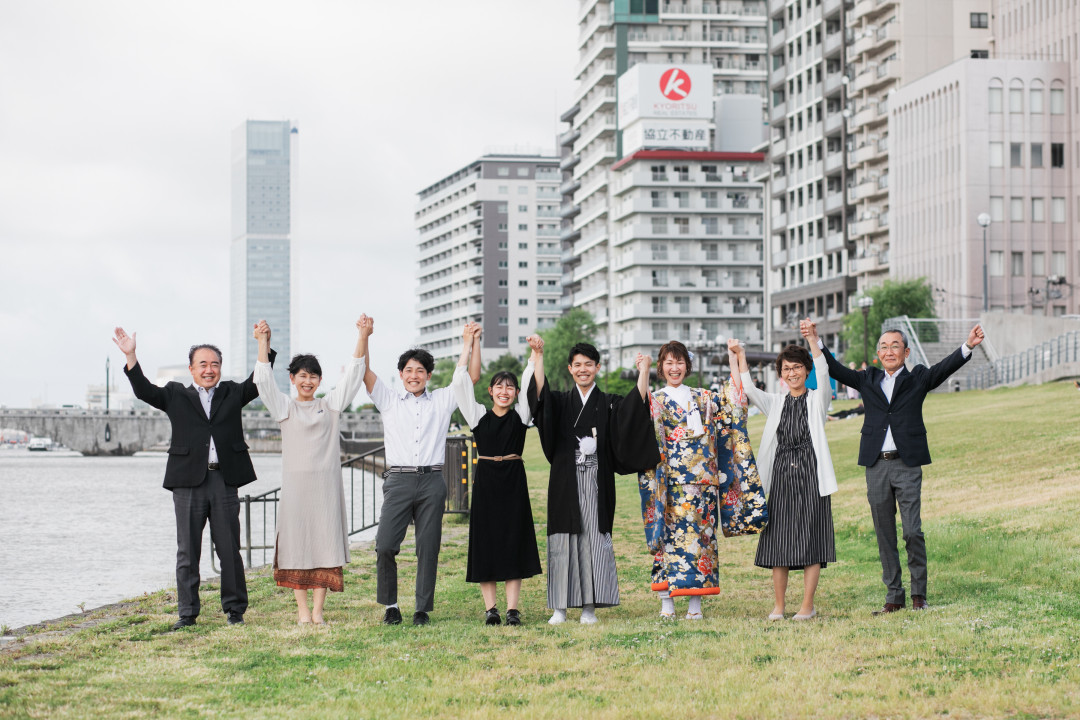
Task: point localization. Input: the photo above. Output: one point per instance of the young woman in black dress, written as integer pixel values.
(502, 538)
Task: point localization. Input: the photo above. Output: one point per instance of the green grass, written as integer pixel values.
(1000, 508)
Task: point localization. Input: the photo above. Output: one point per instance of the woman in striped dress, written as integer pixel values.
(797, 474)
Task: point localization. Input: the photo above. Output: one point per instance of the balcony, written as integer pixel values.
(778, 112)
(569, 234)
(779, 259)
(864, 153)
(778, 147)
(834, 201)
(569, 210)
(569, 187)
(864, 227)
(568, 137)
(833, 162)
(833, 122)
(568, 162)
(778, 184)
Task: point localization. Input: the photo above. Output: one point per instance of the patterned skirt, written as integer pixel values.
(333, 579)
(687, 563)
(581, 567)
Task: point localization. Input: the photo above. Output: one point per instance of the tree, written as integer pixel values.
(573, 327)
(913, 298)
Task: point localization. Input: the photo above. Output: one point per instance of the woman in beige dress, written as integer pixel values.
(312, 543)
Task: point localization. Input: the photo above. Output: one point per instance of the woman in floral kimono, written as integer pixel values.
(706, 481)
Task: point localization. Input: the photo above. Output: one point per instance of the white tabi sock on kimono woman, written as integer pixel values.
(667, 605)
(695, 605)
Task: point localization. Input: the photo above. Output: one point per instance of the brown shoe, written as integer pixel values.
(918, 602)
(889, 608)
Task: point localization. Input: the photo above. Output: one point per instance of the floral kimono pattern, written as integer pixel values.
(704, 483)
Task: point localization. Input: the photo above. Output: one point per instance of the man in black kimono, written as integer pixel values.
(587, 436)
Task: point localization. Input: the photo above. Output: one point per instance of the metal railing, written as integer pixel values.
(1062, 349)
(362, 479)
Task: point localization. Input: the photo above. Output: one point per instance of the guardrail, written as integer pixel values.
(362, 476)
(1062, 349)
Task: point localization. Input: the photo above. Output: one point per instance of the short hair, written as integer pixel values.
(586, 349)
(310, 363)
(903, 337)
(419, 355)
(677, 350)
(794, 354)
(196, 348)
(504, 376)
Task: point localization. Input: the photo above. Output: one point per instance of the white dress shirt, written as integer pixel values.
(414, 428)
(205, 396)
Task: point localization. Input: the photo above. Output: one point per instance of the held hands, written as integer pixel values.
(125, 342)
(735, 349)
(262, 332)
(808, 328)
(975, 337)
(365, 325)
(471, 331)
(643, 363)
(536, 343)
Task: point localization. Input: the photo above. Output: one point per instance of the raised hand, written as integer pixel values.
(976, 336)
(536, 343)
(643, 363)
(808, 328)
(365, 325)
(125, 342)
(262, 331)
(734, 347)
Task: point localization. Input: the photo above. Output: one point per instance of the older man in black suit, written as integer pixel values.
(208, 461)
(893, 449)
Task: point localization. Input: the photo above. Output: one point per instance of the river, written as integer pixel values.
(91, 530)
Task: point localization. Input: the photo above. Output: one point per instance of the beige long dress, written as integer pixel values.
(312, 527)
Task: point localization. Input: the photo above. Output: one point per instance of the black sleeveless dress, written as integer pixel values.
(502, 537)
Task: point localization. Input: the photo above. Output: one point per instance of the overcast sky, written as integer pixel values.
(115, 130)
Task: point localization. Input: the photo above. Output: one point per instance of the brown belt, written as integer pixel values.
(889, 455)
(499, 458)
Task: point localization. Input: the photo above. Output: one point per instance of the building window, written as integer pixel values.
(997, 209)
(502, 208)
(1036, 155)
(1035, 101)
(711, 225)
(659, 251)
(502, 282)
(523, 264)
(659, 225)
(523, 301)
(504, 189)
(523, 226)
(523, 321)
(710, 199)
(523, 208)
(659, 173)
(1017, 264)
(503, 172)
(682, 225)
(659, 304)
(523, 246)
(502, 227)
(1038, 210)
(980, 54)
(1038, 264)
(1057, 102)
(659, 331)
(1057, 155)
(503, 339)
(1016, 100)
(712, 251)
(682, 173)
(682, 199)
(502, 244)
(683, 304)
(523, 283)
(523, 172)
(503, 302)
(710, 173)
(997, 154)
(1057, 263)
(523, 190)
(1016, 155)
(994, 99)
(502, 265)
(659, 198)
(997, 263)
(1016, 209)
(980, 20)
(659, 277)
(1057, 213)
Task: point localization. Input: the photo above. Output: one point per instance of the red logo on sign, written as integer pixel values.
(675, 84)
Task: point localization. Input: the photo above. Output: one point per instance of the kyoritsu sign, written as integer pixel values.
(665, 106)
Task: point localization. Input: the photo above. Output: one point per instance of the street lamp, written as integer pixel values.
(984, 222)
(866, 302)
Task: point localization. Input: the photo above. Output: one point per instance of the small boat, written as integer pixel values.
(40, 444)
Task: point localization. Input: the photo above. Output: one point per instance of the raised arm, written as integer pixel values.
(276, 402)
(463, 381)
(367, 328)
(757, 398)
(343, 393)
(475, 365)
(836, 368)
(143, 388)
(644, 364)
(126, 343)
(537, 358)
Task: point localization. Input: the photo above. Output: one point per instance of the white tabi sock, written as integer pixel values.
(588, 615)
(667, 605)
(559, 617)
(694, 611)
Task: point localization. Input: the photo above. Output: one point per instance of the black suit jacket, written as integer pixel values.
(903, 414)
(189, 451)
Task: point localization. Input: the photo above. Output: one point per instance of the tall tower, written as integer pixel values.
(260, 279)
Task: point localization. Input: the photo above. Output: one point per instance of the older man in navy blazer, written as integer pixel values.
(893, 449)
(208, 461)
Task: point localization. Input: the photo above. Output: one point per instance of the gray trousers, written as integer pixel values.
(219, 503)
(420, 498)
(891, 484)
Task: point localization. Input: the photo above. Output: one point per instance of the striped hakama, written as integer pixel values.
(800, 529)
(581, 567)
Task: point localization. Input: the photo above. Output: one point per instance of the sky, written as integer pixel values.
(115, 161)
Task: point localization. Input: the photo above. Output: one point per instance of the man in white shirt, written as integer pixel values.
(415, 424)
(893, 449)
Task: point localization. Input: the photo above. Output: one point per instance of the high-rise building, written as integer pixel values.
(727, 36)
(489, 252)
(263, 175)
(809, 254)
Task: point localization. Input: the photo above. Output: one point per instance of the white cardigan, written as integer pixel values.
(817, 409)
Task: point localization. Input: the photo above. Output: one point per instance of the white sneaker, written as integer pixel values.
(588, 617)
(558, 618)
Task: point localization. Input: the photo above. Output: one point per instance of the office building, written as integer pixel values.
(489, 252)
(263, 182)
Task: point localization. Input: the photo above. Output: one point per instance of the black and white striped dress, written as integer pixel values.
(581, 567)
(800, 529)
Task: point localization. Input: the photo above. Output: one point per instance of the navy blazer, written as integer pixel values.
(189, 450)
(903, 414)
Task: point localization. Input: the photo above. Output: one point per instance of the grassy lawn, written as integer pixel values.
(1000, 509)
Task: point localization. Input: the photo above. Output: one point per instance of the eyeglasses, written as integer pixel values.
(895, 347)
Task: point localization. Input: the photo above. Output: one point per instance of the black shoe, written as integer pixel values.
(420, 618)
(183, 622)
(513, 617)
(491, 617)
(236, 618)
(392, 616)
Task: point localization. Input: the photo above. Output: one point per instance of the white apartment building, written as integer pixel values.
(984, 136)
(615, 35)
(891, 43)
(489, 252)
(809, 254)
(687, 246)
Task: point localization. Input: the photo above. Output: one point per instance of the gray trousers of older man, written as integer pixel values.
(891, 484)
(421, 499)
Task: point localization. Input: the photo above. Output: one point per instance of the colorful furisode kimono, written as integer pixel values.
(706, 482)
